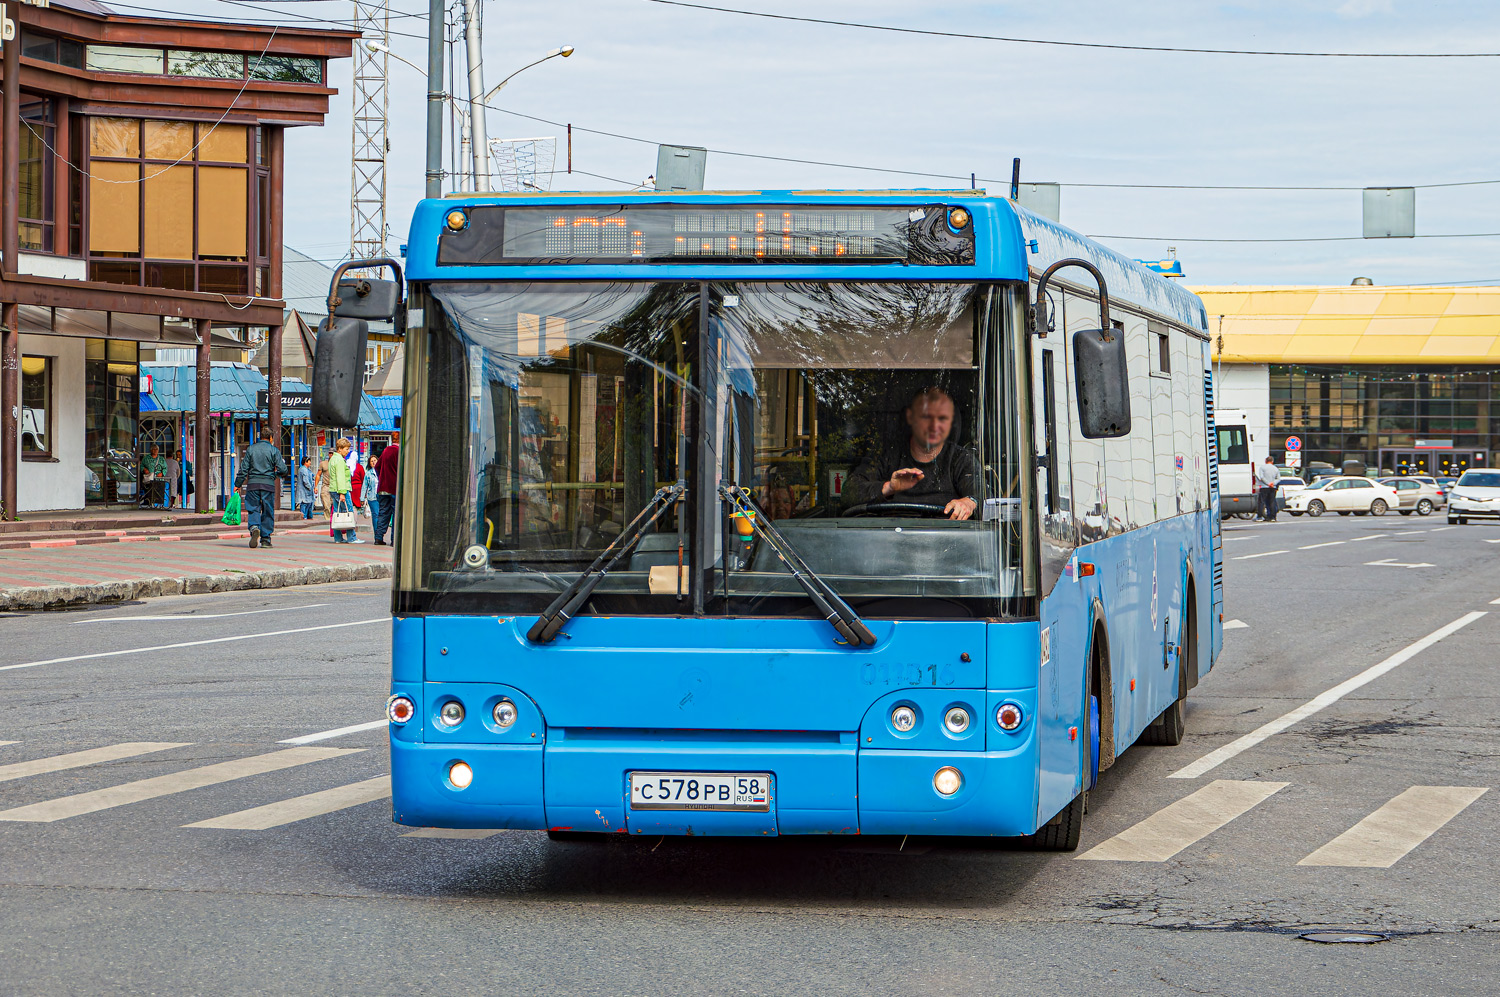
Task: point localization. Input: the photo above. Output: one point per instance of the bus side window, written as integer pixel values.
(1049, 432)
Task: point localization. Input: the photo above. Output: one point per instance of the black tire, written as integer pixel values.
(1378, 507)
(1404, 512)
(1168, 728)
(1064, 831)
(1462, 521)
(1424, 507)
(1294, 513)
(1315, 508)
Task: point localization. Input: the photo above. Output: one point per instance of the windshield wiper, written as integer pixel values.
(571, 600)
(834, 609)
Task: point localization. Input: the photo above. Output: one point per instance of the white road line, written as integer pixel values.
(1319, 702)
(1492, 541)
(191, 643)
(1408, 533)
(1180, 824)
(1358, 539)
(302, 807)
(4, 743)
(1442, 528)
(1252, 536)
(1247, 557)
(195, 616)
(474, 833)
(324, 735)
(1493, 602)
(1331, 543)
(165, 785)
(1236, 625)
(1387, 835)
(78, 759)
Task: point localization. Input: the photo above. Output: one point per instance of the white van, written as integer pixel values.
(1236, 471)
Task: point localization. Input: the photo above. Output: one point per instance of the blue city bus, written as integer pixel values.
(792, 512)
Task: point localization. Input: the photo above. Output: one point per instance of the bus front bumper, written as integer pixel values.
(828, 787)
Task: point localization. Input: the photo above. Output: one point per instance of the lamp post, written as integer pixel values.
(479, 180)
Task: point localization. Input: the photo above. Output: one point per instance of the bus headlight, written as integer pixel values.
(956, 720)
(505, 713)
(399, 709)
(451, 714)
(903, 718)
(460, 775)
(947, 780)
(457, 220)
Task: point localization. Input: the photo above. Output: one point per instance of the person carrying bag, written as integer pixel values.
(340, 481)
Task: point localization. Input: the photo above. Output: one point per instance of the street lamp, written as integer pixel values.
(477, 109)
(375, 46)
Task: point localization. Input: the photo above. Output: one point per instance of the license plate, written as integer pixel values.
(700, 791)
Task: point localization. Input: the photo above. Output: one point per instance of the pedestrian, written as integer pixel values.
(357, 482)
(340, 481)
(306, 488)
(258, 481)
(174, 479)
(320, 486)
(1266, 477)
(153, 476)
(368, 490)
(385, 491)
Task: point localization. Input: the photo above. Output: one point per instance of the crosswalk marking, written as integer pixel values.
(324, 735)
(78, 759)
(302, 807)
(1178, 825)
(1383, 838)
(1235, 624)
(165, 785)
(473, 833)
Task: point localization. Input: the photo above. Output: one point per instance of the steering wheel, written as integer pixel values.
(897, 509)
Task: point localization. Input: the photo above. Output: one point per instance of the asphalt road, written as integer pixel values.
(116, 893)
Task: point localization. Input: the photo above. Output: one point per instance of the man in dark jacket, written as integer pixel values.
(927, 471)
(385, 491)
(261, 471)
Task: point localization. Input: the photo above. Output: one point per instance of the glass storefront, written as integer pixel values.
(111, 412)
(1397, 419)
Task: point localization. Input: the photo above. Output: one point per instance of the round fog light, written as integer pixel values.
(903, 718)
(956, 720)
(460, 775)
(452, 713)
(399, 709)
(947, 780)
(505, 713)
(1009, 716)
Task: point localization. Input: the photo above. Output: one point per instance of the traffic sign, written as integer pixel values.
(1293, 444)
(1294, 459)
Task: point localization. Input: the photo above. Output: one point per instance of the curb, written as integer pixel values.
(60, 596)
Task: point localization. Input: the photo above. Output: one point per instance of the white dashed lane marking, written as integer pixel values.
(1387, 835)
(1248, 557)
(1178, 825)
(302, 807)
(324, 735)
(1331, 543)
(79, 759)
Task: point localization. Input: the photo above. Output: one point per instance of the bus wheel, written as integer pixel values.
(1168, 728)
(1064, 831)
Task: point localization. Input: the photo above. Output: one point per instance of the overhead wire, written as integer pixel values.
(1067, 44)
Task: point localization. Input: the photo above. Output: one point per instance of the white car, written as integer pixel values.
(1344, 495)
(1476, 495)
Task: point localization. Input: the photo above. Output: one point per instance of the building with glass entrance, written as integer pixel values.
(1403, 379)
(147, 157)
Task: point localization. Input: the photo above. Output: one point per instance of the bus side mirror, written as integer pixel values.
(367, 298)
(1103, 383)
(338, 379)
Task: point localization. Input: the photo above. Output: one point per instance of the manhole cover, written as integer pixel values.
(1344, 937)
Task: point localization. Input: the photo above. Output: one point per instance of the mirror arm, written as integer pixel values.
(1038, 313)
(370, 264)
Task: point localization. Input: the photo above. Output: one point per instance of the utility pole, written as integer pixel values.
(436, 17)
(371, 107)
(479, 148)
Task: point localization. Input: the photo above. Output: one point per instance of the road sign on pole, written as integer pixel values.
(1293, 444)
(1294, 458)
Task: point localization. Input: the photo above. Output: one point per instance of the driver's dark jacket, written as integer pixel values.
(953, 474)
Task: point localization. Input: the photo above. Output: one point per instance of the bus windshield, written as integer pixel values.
(871, 422)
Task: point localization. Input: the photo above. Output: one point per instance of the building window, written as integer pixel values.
(38, 139)
(179, 62)
(214, 65)
(171, 205)
(45, 48)
(36, 407)
(123, 59)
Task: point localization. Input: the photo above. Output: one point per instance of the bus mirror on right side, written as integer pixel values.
(338, 378)
(1102, 382)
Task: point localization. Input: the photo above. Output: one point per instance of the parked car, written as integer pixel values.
(1286, 487)
(1345, 495)
(1445, 484)
(1417, 494)
(1476, 495)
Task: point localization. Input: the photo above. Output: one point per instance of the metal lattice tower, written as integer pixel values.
(523, 164)
(371, 105)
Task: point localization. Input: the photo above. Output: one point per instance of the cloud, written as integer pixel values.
(1364, 8)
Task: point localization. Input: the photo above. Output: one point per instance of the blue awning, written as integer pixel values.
(232, 391)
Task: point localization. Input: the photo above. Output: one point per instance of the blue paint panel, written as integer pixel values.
(720, 674)
(998, 796)
(506, 792)
(406, 649)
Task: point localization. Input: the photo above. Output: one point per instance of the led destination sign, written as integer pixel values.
(921, 234)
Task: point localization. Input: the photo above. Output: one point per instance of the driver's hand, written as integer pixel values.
(961, 508)
(902, 480)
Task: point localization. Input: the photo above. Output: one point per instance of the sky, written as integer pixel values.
(956, 106)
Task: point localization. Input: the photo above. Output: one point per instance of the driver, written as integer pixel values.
(927, 471)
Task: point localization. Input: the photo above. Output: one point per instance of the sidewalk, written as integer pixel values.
(54, 577)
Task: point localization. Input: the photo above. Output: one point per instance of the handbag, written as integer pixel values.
(343, 518)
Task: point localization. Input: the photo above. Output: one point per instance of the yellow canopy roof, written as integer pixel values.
(1354, 325)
